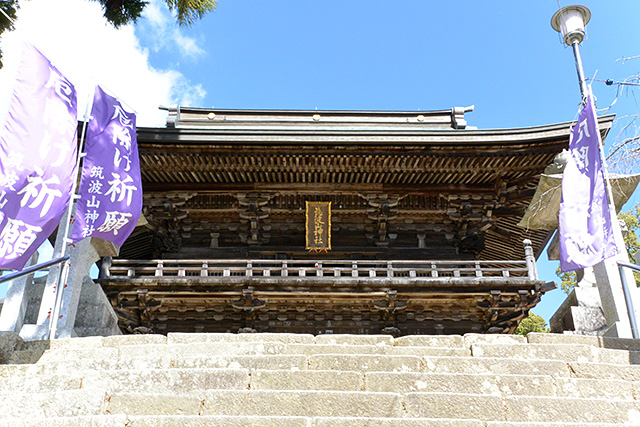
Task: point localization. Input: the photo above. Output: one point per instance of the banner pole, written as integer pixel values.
(607, 181)
(64, 271)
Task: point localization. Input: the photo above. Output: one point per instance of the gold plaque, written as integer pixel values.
(318, 226)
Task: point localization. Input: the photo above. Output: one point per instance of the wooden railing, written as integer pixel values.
(336, 269)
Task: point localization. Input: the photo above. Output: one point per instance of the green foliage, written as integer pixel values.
(123, 12)
(189, 11)
(632, 222)
(532, 323)
(568, 280)
(10, 7)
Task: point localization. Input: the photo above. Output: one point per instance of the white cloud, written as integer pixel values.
(159, 27)
(76, 38)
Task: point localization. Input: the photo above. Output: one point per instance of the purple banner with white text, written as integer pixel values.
(110, 189)
(586, 236)
(38, 145)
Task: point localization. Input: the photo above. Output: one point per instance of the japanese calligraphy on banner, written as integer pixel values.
(110, 188)
(586, 235)
(318, 226)
(37, 157)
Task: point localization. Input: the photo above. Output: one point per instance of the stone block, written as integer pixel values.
(105, 247)
(309, 349)
(25, 356)
(307, 380)
(216, 421)
(454, 405)
(303, 403)
(80, 421)
(454, 341)
(487, 365)
(355, 339)
(605, 371)
(594, 341)
(394, 422)
(560, 409)
(18, 371)
(470, 339)
(122, 340)
(67, 403)
(548, 424)
(9, 342)
(39, 345)
(606, 355)
(195, 349)
(76, 343)
(152, 404)
(95, 315)
(432, 351)
(187, 362)
(280, 362)
(594, 388)
(48, 383)
(168, 381)
(364, 362)
(78, 353)
(486, 384)
(184, 338)
(564, 352)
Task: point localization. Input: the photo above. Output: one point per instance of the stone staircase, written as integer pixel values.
(544, 380)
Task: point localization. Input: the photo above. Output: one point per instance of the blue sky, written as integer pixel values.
(501, 56)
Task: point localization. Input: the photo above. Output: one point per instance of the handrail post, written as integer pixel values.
(159, 268)
(628, 298)
(105, 265)
(530, 259)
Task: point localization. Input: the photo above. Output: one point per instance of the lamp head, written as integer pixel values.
(570, 22)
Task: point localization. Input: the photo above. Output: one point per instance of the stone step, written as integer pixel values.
(274, 421)
(497, 366)
(298, 362)
(372, 349)
(193, 381)
(594, 341)
(64, 403)
(187, 338)
(563, 352)
(521, 408)
(179, 381)
(605, 371)
(535, 352)
(304, 403)
(307, 380)
(499, 385)
(365, 362)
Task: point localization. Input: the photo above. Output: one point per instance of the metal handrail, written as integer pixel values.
(627, 296)
(33, 269)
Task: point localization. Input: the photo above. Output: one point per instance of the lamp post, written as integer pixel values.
(570, 22)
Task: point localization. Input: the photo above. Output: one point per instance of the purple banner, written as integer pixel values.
(586, 236)
(110, 189)
(37, 158)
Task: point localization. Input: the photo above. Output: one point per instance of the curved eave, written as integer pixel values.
(555, 135)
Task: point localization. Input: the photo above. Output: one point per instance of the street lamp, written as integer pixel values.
(570, 21)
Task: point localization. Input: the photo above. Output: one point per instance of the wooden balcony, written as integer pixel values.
(363, 296)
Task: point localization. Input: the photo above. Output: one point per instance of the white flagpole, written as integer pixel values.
(64, 271)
